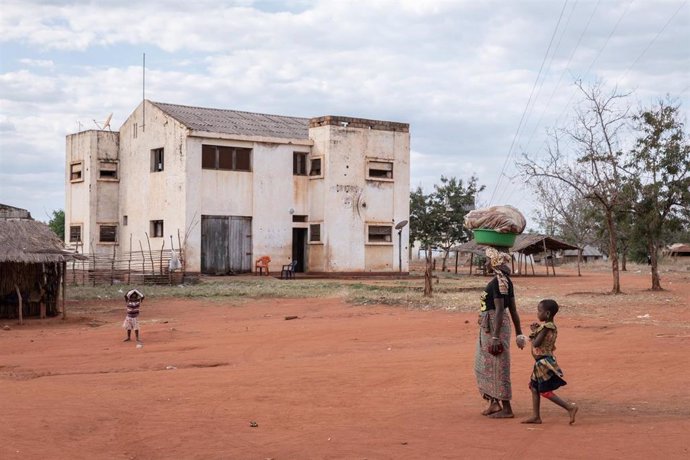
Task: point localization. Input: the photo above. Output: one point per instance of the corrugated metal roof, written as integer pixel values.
(237, 122)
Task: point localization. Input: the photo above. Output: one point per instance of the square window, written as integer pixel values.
(208, 157)
(75, 233)
(380, 170)
(107, 170)
(242, 160)
(157, 160)
(315, 167)
(108, 234)
(314, 233)
(380, 234)
(299, 163)
(298, 218)
(75, 172)
(156, 228)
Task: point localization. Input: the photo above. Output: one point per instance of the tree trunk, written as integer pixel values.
(444, 265)
(653, 254)
(624, 260)
(579, 258)
(613, 251)
(428, 274)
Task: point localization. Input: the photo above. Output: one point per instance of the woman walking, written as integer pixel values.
(492, 358)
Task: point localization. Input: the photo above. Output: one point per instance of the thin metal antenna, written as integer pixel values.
(143, 94)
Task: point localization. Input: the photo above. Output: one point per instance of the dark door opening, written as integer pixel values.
(299, 248)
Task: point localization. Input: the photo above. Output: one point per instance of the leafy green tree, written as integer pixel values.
(660, 163)
(57, 223)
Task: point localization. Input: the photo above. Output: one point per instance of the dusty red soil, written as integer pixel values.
(344, 381)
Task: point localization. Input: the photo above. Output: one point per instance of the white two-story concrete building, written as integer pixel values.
(326, 192)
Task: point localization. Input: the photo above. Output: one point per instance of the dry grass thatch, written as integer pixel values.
(29, 241)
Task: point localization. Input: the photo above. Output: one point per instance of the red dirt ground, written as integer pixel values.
(343, 381)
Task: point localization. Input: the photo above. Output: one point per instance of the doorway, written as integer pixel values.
(299, 248)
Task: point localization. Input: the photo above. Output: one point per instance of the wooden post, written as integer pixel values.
(93, 274)
(20, 306)
(148, 242)
(63, 283)
(143, 258)
(553, 263)
(129, 262)
(546, 261)
(512, 264)
(161, 258)
(456, 262)
(182, 251)
(112, 268)
(531, 262)
(471, 262)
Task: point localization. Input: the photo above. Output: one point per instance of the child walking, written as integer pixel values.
(546, 376)
(134, 299)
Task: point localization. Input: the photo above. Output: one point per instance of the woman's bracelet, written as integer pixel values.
(495, 338)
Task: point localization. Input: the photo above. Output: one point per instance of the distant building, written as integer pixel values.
(589, 253)
(326, 192)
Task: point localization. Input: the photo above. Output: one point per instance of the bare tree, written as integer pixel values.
(596, 170)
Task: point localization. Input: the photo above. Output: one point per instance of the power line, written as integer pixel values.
(524, 112)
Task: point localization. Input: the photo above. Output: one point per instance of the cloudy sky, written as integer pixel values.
(478, 81)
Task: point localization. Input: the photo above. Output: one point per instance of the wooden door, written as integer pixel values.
(215, 245)
(240, 244)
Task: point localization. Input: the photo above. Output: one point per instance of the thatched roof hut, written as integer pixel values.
(32, 265)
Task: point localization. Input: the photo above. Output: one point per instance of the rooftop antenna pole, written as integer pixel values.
(143, 94)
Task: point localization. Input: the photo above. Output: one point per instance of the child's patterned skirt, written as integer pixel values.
(131, 324)
(547, 375)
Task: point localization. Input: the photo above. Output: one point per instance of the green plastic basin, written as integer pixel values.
(494, 238)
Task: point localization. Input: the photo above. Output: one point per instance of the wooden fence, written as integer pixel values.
(135, 267)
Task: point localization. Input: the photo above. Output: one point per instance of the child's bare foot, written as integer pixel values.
(503, 413)
(492, 409)
(127, 339)
(572, 411)
(535, 420)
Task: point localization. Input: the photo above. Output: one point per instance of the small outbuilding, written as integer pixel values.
(32, 266)
(589, 254)
(679, 250)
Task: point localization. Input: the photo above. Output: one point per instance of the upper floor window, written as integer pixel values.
(299, 163)
(157, 160)
(379, 170)
(315, 169)
(107, 170)
(75, 233)
(107, 233)
(226, 158)
(75, 172)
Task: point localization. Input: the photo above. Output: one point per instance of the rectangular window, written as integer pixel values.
(314, 233)
(108, 234)
(107, 170)
(75, 233)
(134, 131)
(379, 170)
(380, 234)
(299, 163)
(157, 160)
(75, 172)
(124, 220)
(297, 218)
(156, 228)
(226, 158)
(315, 167)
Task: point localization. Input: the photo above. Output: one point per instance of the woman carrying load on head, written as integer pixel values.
(492, 358)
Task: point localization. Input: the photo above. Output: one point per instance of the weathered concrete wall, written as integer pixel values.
(91, 201)
(146, 195)
(351, 200)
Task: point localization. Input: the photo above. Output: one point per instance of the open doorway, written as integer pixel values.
(299, 248)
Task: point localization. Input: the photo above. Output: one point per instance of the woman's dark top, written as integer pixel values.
(491, 292)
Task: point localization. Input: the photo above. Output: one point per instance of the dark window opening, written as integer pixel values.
(315, 233)
(299, 163)
(108, 234)
(380, 233)
(107, 170)
(226, 158)
(380, 170)
(75, 172)
(297, 218)
(124, 220)
(315, 167)
(156, 228)
(75, 234)
(157, 160)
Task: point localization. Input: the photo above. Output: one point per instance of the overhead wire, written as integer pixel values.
(524, 112)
